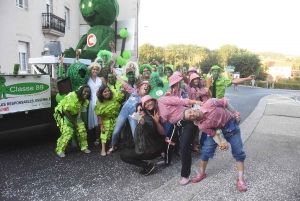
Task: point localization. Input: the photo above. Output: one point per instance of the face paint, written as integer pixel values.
(130, 76)
(160, 71)
(168, 72)
(111, 79)
(215, 74)
(86, 93)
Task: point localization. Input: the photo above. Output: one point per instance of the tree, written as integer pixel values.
(225, 52)
(146, 52)
(209, 61)
(246, 64)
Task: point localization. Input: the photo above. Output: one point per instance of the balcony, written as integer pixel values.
(53, 25)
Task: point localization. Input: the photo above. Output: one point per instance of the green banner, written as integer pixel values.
(26, 88)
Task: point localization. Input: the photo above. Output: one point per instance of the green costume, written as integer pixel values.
(158, 87)
(109, 111)
(221, 82)
(167, 74)
(71, 104)
(115, 88)
(99, 15)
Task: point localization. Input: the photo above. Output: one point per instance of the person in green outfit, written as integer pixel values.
(217, 83)
(107, 109)
(158, 87)
(68, 118)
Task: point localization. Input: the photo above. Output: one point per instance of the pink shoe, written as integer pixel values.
(195, 148)
(241, 185)
(184, 181)
(198, 178)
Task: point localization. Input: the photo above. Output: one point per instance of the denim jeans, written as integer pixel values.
(233, 138)
(128, 109)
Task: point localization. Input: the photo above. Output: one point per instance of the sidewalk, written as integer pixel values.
(271, 136)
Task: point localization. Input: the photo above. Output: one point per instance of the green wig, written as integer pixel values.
(169, 66)
(102, 53)
(142, 67)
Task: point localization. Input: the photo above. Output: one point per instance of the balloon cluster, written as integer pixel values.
(122, 60)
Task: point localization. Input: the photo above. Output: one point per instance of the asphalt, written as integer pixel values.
(31, 170)
(271, 136)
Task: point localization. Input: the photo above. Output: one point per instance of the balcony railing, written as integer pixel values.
(53, 25)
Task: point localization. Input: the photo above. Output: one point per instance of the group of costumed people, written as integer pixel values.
(165, 109)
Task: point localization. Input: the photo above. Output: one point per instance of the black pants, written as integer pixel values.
(173, 134)
(185, 130)
(131, 157)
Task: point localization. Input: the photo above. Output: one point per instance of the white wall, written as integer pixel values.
(282, 71)
(26, 26)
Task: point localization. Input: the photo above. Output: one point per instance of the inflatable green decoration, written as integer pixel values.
(119, 60)
(123, 33)
(126, 54)
(99, 14)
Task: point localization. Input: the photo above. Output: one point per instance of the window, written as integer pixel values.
(67, 17)
(23, 56)
(23, 4)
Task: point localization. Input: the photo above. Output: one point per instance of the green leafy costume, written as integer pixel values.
(157, 91)
(71, 104)
(221, 83)
(99, 15)
(115, 88)
(109, 111)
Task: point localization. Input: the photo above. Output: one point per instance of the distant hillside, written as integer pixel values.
(271, 56)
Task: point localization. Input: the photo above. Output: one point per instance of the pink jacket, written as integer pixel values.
(215, 115)
(171, 108)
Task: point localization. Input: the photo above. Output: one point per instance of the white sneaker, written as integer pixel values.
(87, 151)
(62, 154)
(103, 153)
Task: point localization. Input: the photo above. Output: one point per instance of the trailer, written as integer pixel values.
(28, 100)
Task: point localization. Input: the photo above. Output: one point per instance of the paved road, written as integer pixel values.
(30, 169)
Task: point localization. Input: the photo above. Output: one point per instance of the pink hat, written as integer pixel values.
(145, 82)
(145, 99)
(194, 76)
(192, 69)
(175, 78)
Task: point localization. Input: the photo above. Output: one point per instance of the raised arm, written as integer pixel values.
(60, 67)
(239, 80)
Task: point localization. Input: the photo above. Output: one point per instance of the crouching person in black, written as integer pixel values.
(148, 143)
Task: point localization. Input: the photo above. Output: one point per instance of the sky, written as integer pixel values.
(255, 25)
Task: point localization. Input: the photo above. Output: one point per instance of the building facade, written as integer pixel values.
(27, 25)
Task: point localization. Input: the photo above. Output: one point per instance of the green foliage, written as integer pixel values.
(261, 74)
(209, 61)
(247, 64)
(201, 57)
(284, 85)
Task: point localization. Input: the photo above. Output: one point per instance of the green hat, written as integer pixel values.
(169, 66)
(142, 67)
(215, 67)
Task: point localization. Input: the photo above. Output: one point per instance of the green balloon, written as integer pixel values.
(119, 60)
(123, 33)
(124, 62)
(126, 54)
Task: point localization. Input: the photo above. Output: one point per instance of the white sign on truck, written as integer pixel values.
(24, 92)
